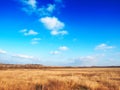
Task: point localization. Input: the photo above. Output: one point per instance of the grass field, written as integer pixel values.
(60, 79)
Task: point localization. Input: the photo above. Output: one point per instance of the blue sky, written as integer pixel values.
(60, 32)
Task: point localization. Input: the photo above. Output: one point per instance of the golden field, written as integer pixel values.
(60, 79)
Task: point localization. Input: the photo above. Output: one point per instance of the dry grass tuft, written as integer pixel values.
(60, 79)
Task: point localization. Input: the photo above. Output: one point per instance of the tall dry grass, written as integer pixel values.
(60, 79)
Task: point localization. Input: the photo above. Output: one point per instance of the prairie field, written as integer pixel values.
(60, 79)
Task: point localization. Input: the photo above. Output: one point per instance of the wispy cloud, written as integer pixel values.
(23, 31)
(29, 6)
(3, 51)
(23, 56)
(51, 7)
(59, 50)
(55, 52)
(46, 10)
(61, 32)
(89, 60)
(29, 32)
(30, 3)
(63, 48)
(35, 40)
(54, 25)
(104, 47)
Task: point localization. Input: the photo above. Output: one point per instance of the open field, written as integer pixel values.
(60, 79)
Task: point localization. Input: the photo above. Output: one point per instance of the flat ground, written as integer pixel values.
(60, 79)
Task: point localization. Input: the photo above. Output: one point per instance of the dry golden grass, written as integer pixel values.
(60, 79)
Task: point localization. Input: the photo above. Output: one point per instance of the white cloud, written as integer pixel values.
(23, 56)
(35, 40)
(3, 51)
(63, 48)
(55, 52)
(45, 12)
(103, 47)
(53, 24)
(29, 32)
